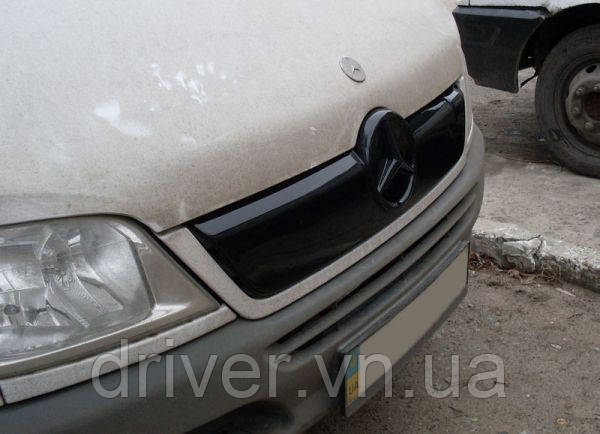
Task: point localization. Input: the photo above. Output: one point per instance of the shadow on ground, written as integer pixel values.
(509, 124)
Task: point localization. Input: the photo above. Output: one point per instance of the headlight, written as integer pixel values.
(72, 287)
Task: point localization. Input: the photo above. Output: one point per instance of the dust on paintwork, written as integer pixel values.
(165, 84)
(111, 113)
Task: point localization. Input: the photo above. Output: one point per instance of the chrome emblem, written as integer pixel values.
(388, 151)
(353, 69)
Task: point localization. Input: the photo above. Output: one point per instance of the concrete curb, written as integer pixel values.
(513, 247)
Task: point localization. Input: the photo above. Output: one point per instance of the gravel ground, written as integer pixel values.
(548, 336)
(509, 123)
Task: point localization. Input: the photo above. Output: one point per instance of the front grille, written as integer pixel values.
(278, 237)
(394, 281)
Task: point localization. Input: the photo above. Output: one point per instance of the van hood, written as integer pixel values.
(164, 111)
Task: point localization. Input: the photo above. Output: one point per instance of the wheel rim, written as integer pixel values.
(583, 102)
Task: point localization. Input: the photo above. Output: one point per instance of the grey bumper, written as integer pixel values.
(322, 323)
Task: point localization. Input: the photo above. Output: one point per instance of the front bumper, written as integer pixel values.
(390, 277)
(494, 40)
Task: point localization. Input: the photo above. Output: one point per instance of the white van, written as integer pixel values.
(208, 206)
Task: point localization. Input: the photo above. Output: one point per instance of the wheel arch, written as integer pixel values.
(553, 29)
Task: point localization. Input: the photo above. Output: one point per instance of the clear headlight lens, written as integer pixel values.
(73, 286)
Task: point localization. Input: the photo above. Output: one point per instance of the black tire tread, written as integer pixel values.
(579, 43)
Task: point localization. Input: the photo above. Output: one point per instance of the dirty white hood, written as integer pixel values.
(164, 111)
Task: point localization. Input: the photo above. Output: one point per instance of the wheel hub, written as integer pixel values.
(583, 103)
(592, 106)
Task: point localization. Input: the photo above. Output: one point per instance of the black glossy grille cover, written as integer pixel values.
(274, 239)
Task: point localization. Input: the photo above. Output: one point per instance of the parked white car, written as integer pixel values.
(191, 188)
(561, 40)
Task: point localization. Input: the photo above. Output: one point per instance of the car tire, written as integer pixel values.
(571, 57)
